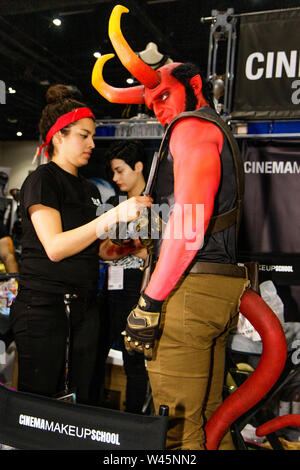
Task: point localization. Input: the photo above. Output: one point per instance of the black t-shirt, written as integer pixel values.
(77, 200)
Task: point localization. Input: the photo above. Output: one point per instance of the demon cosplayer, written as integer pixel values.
(196, 289)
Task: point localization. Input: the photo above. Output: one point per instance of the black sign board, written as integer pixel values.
(267, 76)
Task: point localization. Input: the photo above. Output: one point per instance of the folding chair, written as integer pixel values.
(33, 422)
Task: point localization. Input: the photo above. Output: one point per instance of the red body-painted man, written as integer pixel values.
(192, 300)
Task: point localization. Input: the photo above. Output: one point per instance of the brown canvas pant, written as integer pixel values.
(187, 370)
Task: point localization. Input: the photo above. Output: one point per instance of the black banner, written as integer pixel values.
(32, 422)
(271, 213)
(270, 225)
(267, 77)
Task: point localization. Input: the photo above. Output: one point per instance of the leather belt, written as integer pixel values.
(231, 270)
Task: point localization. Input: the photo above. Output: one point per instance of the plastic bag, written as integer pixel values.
(269, 294)
(245, 328)
(8, 292)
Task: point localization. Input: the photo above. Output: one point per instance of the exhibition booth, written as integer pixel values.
(254, 68)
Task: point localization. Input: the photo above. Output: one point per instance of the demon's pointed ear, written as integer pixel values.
(196, 84)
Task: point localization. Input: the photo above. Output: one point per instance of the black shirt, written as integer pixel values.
(77, 200)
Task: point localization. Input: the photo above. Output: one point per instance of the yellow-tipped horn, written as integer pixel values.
(138, 68)
(131, 95)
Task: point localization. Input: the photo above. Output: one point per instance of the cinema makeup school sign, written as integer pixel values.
(267, 76)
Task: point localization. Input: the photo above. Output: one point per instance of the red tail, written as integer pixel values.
(270, 366)
(278, 423)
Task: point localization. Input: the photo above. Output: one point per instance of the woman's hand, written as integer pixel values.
(131, 208)
(109, 251)
(60, 244)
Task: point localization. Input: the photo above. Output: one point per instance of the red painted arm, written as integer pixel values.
(267, 372)
(195, 146)
(109, 251)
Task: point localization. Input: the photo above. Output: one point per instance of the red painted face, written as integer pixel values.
(167, 99)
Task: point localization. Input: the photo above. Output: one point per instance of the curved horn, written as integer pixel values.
(131, 95)
(139, 69)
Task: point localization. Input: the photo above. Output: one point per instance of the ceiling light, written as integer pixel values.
(97, 54)
(56, 21)
(19, 134)
(130, 81)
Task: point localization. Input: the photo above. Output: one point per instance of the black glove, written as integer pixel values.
(143, 326)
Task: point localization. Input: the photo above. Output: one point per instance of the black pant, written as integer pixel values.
(40, 327)
(120, 303)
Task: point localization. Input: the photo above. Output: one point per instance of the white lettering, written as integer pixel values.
(49, 427)
(296, 94)
(249, 66)
(247, 167)
(115, 460)
(69, 430)
(278, 167)
(273, 65)
(289, 66)
(87, 433)
(260, 167)
(270, 63)
(277, 268)
(288, 168)
(57, 428)
(96, 201)
(64, 428)
(296, 354)
(270, 167)
(77, 433)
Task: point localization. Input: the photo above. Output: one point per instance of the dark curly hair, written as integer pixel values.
(183, 73)
(60, 101)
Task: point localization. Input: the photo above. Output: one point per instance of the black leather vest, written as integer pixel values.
(218, 247)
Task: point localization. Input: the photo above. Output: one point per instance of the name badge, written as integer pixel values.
(115, 278)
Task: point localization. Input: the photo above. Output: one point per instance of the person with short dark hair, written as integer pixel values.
(126, 162)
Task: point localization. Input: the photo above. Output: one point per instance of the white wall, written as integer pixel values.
(18, 157)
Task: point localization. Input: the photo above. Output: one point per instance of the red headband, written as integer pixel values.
(64, 121)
